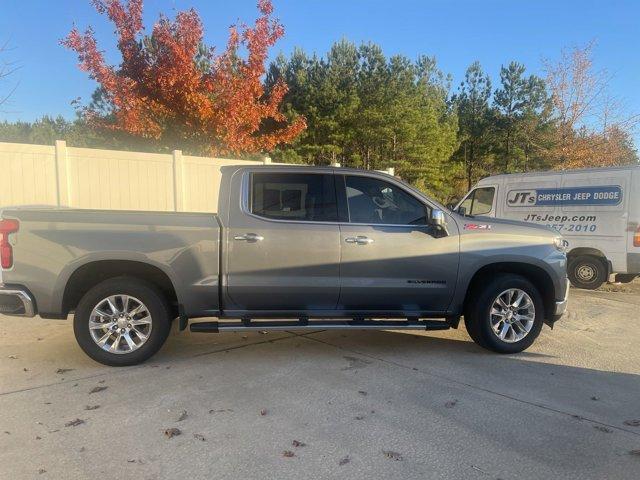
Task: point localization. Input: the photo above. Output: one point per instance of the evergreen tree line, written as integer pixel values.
(366, 110)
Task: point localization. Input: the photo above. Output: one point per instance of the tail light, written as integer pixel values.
(7, 226)
(636, 237)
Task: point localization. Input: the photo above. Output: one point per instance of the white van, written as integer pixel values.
(596, 210)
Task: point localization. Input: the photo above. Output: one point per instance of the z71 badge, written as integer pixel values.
(477, 226)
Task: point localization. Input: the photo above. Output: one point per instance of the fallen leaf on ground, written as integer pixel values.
(635, 452)
(392, 455)
(74, 423)
(199, 436)
(288, 454)
(344, 461)
(91, 407)
(25, 369)
(632, 423)
(38, 438)
(182, 416)
(298, 444)
(97, 389)
(451, 403)
(362, 392)
(595, 399)
(359, 417)
(602, 428)
(13, 357)
(61, 371)
(41, 471)
(263, 412)
(222, 410)
(172, 432)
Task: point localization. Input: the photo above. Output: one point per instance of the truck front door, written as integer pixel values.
(392, 258)
(283, 244)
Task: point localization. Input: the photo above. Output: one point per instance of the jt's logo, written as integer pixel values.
(521, 197)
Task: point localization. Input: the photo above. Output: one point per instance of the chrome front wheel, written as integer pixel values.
(512, 315)
(120, 324)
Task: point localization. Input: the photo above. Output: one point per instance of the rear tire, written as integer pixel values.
(122, 321)
(520, 320)
(587, 272)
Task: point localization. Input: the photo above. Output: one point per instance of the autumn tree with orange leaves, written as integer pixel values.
(173, 90)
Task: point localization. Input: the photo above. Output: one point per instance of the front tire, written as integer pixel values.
(506, 315)
(587, 272)
(122, 321)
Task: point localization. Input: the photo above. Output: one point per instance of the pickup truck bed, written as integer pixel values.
(63, 252)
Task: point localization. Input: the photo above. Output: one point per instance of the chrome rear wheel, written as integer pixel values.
(120, 324)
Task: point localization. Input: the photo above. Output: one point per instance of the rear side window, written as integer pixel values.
(480, 201)
(294, 196)
(374, 201)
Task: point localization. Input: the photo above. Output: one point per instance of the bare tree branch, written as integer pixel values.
(7, 68)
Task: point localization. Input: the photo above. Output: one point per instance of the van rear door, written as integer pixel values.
(595, 213)
(633, 225)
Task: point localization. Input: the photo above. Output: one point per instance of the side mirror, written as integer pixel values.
(462, 211)
(438, 218)
(452, 206)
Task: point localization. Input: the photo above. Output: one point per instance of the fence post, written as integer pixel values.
(63, 186)
(178, 181)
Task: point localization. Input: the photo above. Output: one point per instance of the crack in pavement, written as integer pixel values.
(472, 386)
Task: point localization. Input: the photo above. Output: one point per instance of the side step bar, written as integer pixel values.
(237, 326)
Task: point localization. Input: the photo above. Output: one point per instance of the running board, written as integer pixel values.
(237, 326)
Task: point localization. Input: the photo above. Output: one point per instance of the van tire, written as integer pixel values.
(587, 271)
(477, 318)
(156, 316)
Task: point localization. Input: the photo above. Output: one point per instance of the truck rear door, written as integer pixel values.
(283, 242)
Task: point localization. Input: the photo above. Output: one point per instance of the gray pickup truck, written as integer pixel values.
(290, 248)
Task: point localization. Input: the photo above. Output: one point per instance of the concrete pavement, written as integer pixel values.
(356, 404)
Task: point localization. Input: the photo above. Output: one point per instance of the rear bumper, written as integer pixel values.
(16, 302)
(561, 306)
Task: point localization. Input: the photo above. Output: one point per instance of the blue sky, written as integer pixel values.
(456, 32)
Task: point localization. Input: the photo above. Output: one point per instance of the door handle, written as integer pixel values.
(359, 240)
(249, 237)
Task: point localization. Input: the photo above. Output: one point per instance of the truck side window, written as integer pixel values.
(294, 196)
(374, 201)
(480, 201)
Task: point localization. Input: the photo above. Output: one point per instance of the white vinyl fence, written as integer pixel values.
(109, 179)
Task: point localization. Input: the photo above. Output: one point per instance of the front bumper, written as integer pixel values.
(561, 306)
(16, 302)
